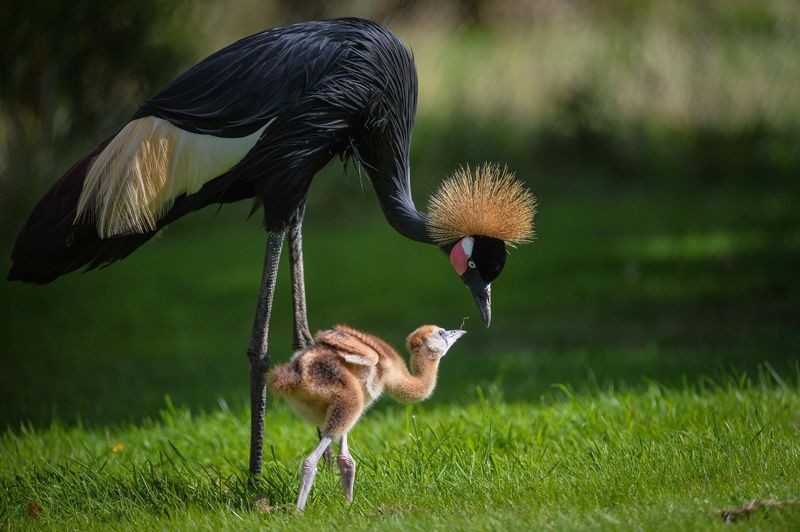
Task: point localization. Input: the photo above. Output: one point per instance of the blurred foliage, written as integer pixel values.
(75, 69)
(66, 61)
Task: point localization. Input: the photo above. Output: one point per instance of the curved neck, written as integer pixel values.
(418, 386)
(389, 173)
(402, 214)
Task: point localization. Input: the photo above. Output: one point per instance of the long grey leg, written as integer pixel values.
(302, 334)
(258, 350)
(310, 471)
(347, 466)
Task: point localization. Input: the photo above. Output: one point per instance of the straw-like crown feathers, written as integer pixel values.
(487, 200)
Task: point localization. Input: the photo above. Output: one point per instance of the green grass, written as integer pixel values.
(655, 459)
(642, 369)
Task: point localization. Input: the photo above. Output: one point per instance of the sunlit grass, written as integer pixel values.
(659, 458)
(551, 418)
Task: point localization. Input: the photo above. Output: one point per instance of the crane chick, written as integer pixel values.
(335, 379)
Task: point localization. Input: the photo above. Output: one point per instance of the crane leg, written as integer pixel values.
(302, 334)
(258, 350)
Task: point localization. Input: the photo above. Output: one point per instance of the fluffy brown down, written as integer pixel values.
(334, 380)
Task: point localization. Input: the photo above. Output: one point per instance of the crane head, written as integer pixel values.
(473, 215)
(478, 260)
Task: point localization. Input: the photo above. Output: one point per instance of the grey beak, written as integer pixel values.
(451, 336)
(481, 291)
(483, 298)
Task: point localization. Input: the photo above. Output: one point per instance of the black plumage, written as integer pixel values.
(344, 87)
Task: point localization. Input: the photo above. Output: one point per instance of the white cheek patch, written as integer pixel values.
(467, 244)
(436, 344)
(432, 347)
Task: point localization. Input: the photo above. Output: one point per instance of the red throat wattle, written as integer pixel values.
(459, 255)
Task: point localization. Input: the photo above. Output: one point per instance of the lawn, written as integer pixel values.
(654, 458)
(641, 371)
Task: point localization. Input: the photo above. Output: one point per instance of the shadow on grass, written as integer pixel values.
(630, 279)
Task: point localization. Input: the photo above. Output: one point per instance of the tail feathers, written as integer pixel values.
(53, 243)
(50, 245)
(284, 378)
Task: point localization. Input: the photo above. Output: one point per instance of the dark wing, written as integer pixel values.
(239, 89)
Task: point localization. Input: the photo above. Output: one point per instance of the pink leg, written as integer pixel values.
(347, 466)
(310, 471)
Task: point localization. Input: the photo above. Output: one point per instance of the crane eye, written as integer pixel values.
(471, 264)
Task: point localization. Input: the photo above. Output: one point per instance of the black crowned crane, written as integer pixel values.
(258, 119)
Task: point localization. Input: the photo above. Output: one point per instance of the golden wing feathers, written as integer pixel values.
(134, 181)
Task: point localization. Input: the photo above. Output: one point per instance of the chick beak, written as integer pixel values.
(451, 336)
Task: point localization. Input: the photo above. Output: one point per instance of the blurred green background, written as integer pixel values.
(661, 139)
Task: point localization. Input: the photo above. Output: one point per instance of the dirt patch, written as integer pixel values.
(729, 515)
(261, 504)
(34, 510)
(391, 509)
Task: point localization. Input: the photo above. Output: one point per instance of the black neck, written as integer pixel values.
(399, 209)
(404, 217)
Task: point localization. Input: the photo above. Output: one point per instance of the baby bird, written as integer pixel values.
(335, 379)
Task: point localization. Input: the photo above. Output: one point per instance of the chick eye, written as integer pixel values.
(471, 264)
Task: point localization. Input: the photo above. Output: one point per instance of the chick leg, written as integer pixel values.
(310, 471)
(328, 454)
(347, 466)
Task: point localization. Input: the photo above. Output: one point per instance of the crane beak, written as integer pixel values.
(482, 292)
(483, 298)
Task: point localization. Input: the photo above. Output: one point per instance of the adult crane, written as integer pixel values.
(258, 119)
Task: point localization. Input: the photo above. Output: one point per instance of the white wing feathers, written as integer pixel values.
(135, 180)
